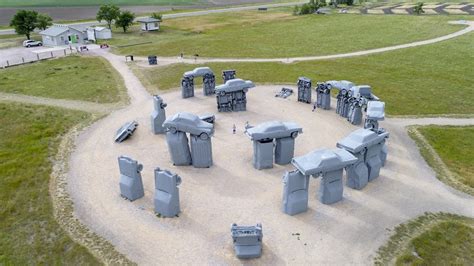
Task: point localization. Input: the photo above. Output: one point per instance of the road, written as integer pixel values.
(186, 14)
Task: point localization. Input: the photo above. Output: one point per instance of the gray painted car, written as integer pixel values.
(340, 84)
(199, 72)
(274, 130)
(189, 123)
(376, 110)
(125, 131)
(235, 85)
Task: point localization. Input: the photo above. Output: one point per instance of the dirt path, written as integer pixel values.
(172, 60)
(68, 104)
(348, 232)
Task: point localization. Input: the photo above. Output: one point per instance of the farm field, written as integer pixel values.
(454, 145)
(278, 34)
(38, 3)
(59, 3)
(29, 233)
(428, 80)
(74, 78)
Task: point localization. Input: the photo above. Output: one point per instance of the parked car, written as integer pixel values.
(31, 43)
(189, 123)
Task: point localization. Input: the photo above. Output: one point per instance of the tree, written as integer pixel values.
(157, 16)
(296, 10)
(124, 20)
(305, 9)
(44, 21)
(24, 22)
(108, 13)
(418, 9)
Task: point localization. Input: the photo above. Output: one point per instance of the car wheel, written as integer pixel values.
(294, 134)
(203, 136)
(28, 46)
(173, 130)
(40, 44)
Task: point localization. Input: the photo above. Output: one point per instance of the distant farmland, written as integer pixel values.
(53, 3)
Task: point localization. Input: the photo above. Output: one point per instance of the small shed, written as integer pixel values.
(149, 24)
(99, 33)
(62, 35)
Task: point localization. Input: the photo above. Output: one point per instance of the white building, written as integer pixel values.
(62, 35)
(149, 24)
(98, 33)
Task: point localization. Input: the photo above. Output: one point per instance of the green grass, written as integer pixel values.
(455, 146)
(279, 34)
(28, 232)
(447, 243)
(430, 239)
(15, 40)
(428, 80)
(73, 77)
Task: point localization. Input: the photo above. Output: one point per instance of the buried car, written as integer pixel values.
(274, 130)
(189, 123)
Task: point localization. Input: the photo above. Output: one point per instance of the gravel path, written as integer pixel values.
(348, 232)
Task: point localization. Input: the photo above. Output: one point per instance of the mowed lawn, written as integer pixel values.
(15, 40)
(278, 34)
(430, 239)
(29, 235)
(38, 3)
(455, 146)
(426, 80)
(74, 77)
(446, 243)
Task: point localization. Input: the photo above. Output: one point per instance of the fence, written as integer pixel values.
(36, 57)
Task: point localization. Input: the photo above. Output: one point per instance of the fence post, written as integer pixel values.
(23, 59)
(64, 52)
(38, 56)
(8, 63)
(52, 54)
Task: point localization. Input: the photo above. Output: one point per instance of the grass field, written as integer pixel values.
(29, 235)
(8, 41)
(447, 243)
(279, 34)
(427, 80)
(431, 239)
(74, 77)
(454, 145)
